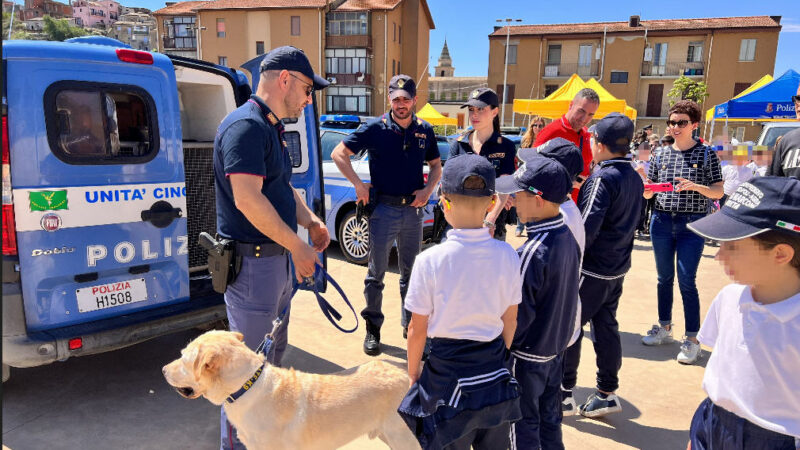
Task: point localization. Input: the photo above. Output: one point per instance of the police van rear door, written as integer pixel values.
(98, 182)
(302, 140)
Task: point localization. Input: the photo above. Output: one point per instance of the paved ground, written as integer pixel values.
(119, 400)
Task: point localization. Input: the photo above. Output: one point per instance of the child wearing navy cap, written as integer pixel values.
(464, 395)
(550, 260)
(610, 202)
(753, 375)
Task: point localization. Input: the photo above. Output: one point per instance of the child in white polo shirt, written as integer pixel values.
(463, 295)
(753, 376)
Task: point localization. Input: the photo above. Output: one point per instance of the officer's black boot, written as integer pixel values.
(372, 343)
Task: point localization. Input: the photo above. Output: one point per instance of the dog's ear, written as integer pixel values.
(207, 361)
(238, 336)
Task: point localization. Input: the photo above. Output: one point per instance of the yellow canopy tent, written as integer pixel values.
(556, 104)
(766, 79)
(606, 98)
(429, 114)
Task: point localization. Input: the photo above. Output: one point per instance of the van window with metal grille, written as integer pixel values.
(292, 139)
(93, 123)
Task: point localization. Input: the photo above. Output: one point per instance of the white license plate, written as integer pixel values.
(104, 296)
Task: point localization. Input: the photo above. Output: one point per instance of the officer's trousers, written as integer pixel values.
(388, 224)
(260, 292)
(599, 301)
(540, 403)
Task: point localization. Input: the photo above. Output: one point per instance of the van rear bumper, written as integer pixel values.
(23, 350)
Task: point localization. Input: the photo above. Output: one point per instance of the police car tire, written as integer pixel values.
(354, 252)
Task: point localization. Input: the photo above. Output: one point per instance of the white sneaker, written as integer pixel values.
(568, 405)
(690, 352)
(657, 335)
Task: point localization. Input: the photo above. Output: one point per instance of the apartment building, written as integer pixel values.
(96, 14)
(637, 60)
(177, 28)
(39, 8)
(137, 30)
(357, 44)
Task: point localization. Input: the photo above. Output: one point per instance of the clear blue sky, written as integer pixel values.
(467, 23)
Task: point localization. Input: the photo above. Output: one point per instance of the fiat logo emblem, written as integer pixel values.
(51, 222)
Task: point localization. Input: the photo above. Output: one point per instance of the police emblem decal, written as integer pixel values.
(475, 93)
(401, 83)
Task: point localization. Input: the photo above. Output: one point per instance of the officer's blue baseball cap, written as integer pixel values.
(615, 131)
(759, 205)
(402, 85)
(558, 149)
(482, 97)
(540, 176)
(292, 58)
(461, 167)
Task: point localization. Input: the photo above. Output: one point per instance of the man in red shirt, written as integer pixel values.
(572, 127)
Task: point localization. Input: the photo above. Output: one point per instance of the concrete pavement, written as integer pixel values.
(120, 401)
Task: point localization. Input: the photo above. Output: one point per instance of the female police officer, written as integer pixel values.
(485, 140)
(398, 144)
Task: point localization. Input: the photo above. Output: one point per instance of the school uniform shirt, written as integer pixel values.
(733, 176)
(753, 369)
(550, 261)
(500, 151)
(449, 284)
(396, 154)
(561, 128)
(698, 164)
(786, 160)
(572, 217)
(611, 204)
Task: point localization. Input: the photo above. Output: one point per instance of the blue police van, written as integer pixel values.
(107, 182)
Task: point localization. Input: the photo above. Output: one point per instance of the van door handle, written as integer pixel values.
(161, 214)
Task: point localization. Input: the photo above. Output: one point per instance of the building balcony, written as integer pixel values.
(565, 70)
(672, 69)
(351, 41)
(657, 109)
(350, 79)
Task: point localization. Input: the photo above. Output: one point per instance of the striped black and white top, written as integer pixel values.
(698, 164)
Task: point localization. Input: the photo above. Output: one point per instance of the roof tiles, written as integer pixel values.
(180, 8)
(650, 25)
(261, 4)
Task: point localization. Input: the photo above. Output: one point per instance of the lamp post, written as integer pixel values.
(505, 70)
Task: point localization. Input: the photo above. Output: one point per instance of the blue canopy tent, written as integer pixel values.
(770, 103)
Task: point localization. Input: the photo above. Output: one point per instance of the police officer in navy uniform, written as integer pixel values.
(485, 140)
(259, 209)
(398, 144)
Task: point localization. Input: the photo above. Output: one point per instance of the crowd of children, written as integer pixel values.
(503, 351)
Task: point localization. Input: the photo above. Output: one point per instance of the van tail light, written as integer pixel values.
(9, 226)
(134, 56)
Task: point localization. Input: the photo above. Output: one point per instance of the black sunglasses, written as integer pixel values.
(309, 87)
(677, 123)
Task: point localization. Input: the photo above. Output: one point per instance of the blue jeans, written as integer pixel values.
(669, 236)
(388, 224)
(260, 292)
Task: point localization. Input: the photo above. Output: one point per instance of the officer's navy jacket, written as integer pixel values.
(550, 261)
(500, 151)
(611, 206)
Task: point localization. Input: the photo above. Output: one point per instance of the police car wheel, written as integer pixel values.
(354, 238)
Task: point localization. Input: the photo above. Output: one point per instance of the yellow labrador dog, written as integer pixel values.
(286, 409)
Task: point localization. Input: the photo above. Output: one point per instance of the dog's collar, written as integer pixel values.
(246, 386)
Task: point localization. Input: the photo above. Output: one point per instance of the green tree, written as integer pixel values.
(687, 89)
(19, 28)
(60, 29)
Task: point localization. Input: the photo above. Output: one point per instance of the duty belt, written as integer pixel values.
(259, 250)
(396, 200)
